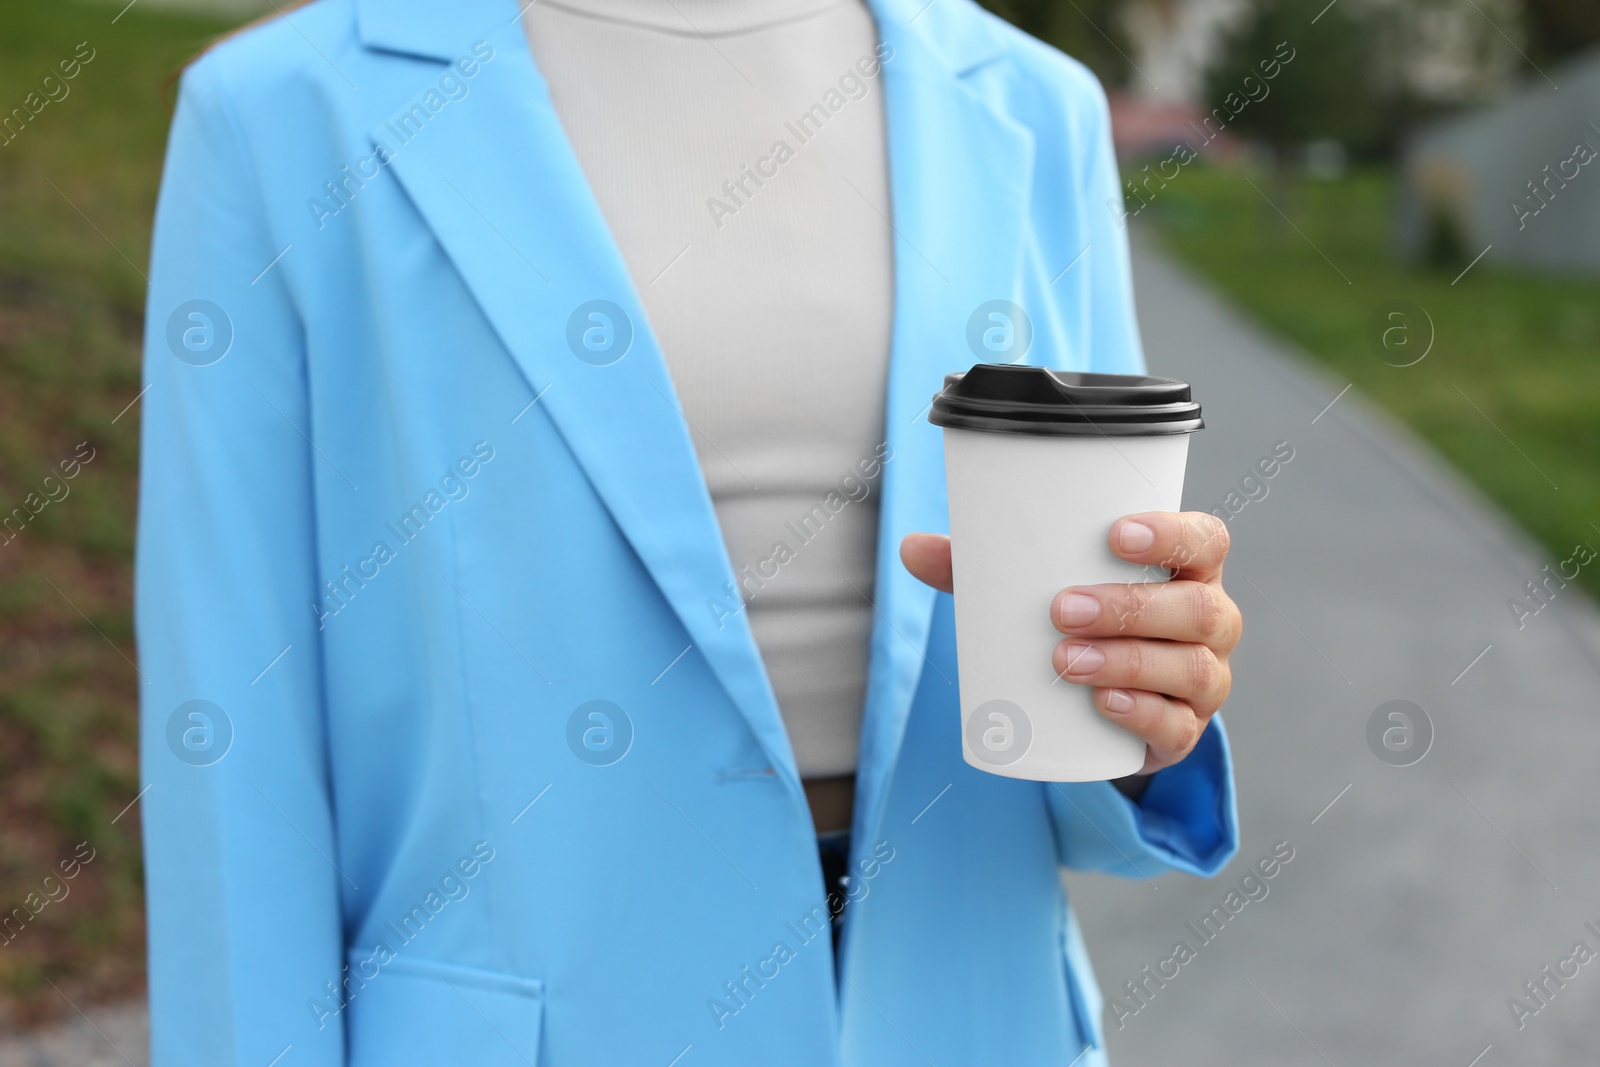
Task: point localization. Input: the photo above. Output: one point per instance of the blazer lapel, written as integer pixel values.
(495, 178)
(959, 172)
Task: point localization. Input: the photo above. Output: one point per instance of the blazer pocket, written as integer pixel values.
(420, 1013)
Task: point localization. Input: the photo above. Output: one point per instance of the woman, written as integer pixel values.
(493, 355)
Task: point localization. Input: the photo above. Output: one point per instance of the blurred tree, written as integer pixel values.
(1325, 90)
(1090, 31)
(1559, 28)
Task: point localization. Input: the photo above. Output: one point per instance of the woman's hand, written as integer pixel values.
(1156, 654)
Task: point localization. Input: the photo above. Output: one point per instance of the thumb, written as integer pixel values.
(927, 557)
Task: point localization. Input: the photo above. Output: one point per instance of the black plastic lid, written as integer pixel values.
(1009, 398)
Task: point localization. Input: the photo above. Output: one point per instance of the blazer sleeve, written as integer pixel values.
(242, 858)
(1186, 819)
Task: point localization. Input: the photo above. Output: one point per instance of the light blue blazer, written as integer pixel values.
(453, 756)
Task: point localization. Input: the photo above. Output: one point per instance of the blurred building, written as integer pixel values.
(1175, 40)
(1522, 174)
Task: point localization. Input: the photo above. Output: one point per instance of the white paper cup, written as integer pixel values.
(1039, 465)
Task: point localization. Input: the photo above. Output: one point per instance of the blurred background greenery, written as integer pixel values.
(76, 194)
(1300, 210)
(1292, 214)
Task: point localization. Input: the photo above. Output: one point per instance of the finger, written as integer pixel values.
(927, 557)
(1192, 543)
(1169, 727)
(1187, 672)
(1198, 612)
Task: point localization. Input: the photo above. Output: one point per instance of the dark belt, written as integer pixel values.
(833, 849)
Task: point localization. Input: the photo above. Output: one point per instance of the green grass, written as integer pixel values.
(1523, 347)
(77, 188)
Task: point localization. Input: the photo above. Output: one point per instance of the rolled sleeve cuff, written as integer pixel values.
(1187, 816)
(1186, 820)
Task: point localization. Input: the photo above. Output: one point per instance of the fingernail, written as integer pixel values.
(1084, 659)
(1119, 701)
(1078, 609)
(1135, 537)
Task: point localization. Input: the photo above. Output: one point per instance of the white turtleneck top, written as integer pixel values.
(736, 149)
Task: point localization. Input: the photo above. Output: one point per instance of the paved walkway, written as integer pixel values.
(1419, 898)
(1425, 895)
(117, 1037)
